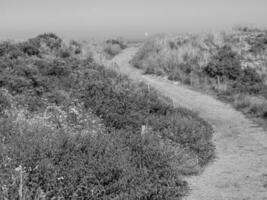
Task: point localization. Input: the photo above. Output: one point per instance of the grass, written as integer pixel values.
(74, 127)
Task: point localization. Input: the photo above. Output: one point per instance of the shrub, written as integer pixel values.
(186, 68)
(258, 45)
(119, 42)
(249, 82)
(67, 155)
(112, 49)
(4, 48)
(224, 64)
(10, 50)
(148, 49)
(172, 45)
(29, 49)
(50, 40)
(62, 165)
(121, 106)
(64, 53)
(175, 76)
(76, 47)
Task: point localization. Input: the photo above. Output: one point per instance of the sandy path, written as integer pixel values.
(240, 169)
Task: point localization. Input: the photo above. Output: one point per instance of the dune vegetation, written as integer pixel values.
(114, 47)
(72, 129)
(232, 65)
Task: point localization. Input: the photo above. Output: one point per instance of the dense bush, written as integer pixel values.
(119, 42)
(29, 49)
(10, 50)
(59, 165)
(62, 162)
(76, 47)
(259, 44)
(70, 156)
(249, 82)
(224, 64)
(123, 105)
(120, 103)
(50, 40)
(114, 47)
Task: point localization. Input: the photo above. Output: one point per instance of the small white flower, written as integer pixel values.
(19, 168)
(60, 178)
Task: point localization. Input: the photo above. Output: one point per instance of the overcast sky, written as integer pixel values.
(84, 19)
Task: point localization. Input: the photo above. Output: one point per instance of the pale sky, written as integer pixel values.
(83, 19)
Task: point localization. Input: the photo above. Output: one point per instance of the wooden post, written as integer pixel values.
(20, 169)
(218, 82)
(143, 130)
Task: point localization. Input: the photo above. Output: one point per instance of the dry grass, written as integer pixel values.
(168, 52)
(257, 106)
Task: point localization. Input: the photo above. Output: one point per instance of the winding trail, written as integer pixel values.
(240, 169)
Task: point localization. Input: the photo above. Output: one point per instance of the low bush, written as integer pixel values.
(119, 42)
(258, 45)
(249, 82)
(10, 50)
(29, 49)
(59, 164)
(227, 67)
(114, 47)
(75, 47)
(50, 40)
(64, 53)
(224, 64)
